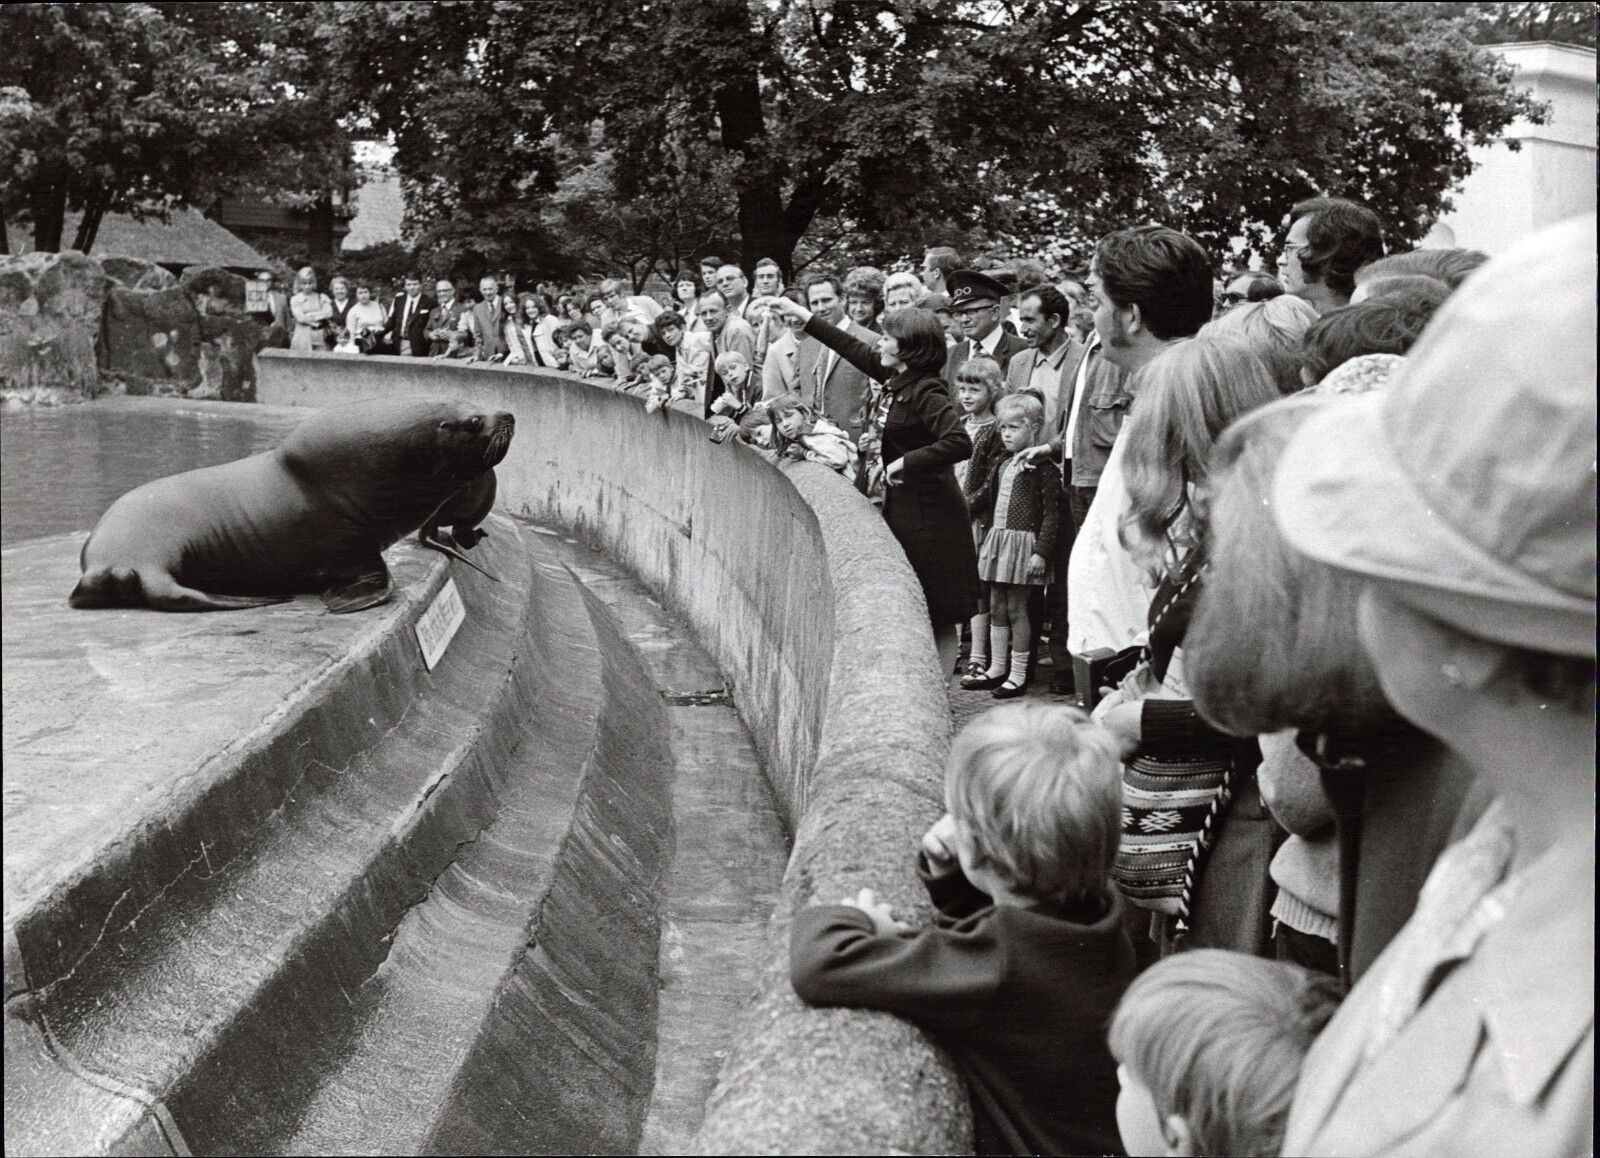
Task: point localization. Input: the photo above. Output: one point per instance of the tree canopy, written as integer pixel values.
(567, 137)
(138, 107)
(1034, 122)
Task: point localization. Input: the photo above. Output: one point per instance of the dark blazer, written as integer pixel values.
(416, 326)
(1010, 346)
(1019, 996)
(925, 509)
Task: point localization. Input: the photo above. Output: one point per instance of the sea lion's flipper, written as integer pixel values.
(126, 587)
(368, 589)
(467, 537)
(434, 540)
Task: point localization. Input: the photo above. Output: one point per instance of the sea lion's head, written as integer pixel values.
(388, 455)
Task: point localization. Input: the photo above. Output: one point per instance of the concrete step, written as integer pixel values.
(182, 996)
(517, 1010)
(524, 919)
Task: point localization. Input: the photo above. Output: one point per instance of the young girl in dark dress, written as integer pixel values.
(922, 440)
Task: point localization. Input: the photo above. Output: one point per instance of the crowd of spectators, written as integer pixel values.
(1314, 872)
(1302, 859)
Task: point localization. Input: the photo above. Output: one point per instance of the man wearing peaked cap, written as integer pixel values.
(1464, 494)
(975, 301)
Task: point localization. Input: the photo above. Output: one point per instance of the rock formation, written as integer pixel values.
(73, 326)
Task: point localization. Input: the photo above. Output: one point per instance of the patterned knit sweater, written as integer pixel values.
(1035, 501)
(986, 451)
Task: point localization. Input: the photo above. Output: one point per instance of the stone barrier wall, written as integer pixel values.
(796, 587)
(73, 326)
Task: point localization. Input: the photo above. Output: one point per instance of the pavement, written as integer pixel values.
(966, 706)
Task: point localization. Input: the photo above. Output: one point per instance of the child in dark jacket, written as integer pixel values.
(1027, 961)
(1022, 499)
(979, 385)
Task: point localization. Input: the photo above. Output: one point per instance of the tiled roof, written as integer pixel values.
(187, 237)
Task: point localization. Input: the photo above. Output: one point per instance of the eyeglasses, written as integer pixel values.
(1295, 247)
(1231, 299)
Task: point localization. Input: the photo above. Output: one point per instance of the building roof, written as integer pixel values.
(187, 237)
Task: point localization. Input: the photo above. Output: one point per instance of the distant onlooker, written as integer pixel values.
(938, 263)
(1329, 239)
(1387, 323)
(484, 324)
(364, 322)
(312, 313)
(691, 353)
(1250, 286)
(444, 330)
(685, 293)
(863, 295)
(1020, 974)
(709, 264)
(902, 289)
(407, 322)
(768, 278)
(1450, 266)
(1209, 1046)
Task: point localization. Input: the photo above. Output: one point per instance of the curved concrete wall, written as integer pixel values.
(796, 588)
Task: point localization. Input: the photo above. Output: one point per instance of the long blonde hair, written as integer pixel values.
(1186, 397)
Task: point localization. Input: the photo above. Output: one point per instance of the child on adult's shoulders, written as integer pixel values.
(1028, 957)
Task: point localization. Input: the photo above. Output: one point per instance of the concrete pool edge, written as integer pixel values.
(796, 588)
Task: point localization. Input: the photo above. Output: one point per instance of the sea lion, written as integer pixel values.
(313, 515)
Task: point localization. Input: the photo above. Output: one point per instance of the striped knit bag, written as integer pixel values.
(1169, 809)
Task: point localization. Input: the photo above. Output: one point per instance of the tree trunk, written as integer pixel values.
(48, 209)
(94, 211)
(744, 131)
(320, 232)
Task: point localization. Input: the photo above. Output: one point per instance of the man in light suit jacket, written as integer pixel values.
(486, 325)
(409, 315)
(833, 387)
(975, 300)
(1052, 353)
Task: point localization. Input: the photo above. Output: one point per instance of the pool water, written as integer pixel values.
(62, 466)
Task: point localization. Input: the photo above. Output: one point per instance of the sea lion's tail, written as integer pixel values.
(107, 587)
(127, 587)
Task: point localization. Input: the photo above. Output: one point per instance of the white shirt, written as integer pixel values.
(988, 344)
(1108, 594)
(1077, 402)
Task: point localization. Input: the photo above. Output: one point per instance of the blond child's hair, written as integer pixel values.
(1024, 405)
(1038, 789)
(986, 372)
(728, 359)
(1218, 1039)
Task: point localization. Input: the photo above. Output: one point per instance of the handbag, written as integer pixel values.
(1172, 802)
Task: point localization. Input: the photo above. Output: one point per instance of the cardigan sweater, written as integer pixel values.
(1034, 505)
(1019, 996)
(986, 451)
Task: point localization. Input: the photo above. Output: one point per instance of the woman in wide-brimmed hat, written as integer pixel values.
(1464, 498)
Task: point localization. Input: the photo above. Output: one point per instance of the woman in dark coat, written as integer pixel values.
(922, 440)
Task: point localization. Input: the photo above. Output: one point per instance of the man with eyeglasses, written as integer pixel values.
(976, 303)
(1329, 239)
